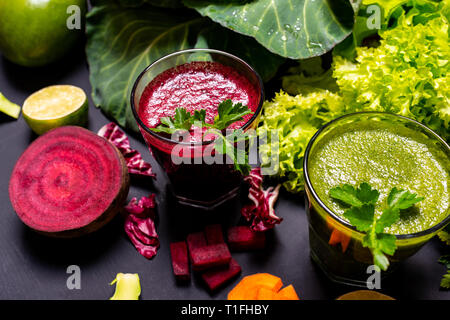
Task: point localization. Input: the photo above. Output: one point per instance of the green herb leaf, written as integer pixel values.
(181, 121)
(387, 219)
(346, 194)
(386, 243)
(229, 113)
(200, 115)
(361, 214)
(361, 217)
(355, 197)
(380, 260)
(366, 194)
(226, 145)
(402, 199)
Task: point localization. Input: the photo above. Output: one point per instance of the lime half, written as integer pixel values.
(55, 106)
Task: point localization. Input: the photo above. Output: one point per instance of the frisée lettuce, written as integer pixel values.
(407, 73)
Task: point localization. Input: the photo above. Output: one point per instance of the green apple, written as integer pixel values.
(38, 32)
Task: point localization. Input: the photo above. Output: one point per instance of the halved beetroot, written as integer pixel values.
(69, 182)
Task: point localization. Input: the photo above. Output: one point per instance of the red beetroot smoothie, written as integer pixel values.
(194, 86)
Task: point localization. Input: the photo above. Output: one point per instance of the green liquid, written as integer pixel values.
(385, 156)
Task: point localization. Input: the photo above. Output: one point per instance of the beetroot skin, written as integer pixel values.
(216, 278)
(180, 260)
(68, 182)
(210, 256)
(242, 238)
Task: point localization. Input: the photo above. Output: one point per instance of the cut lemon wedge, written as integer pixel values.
(55, 106)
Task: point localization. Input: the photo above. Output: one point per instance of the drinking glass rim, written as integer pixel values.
(339, 219)
(223, 53)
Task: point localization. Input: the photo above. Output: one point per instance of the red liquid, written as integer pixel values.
(194, 86)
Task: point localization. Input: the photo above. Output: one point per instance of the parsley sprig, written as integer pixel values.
(227, 114)
(361, 214)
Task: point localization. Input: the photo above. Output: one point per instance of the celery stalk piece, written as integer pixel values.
(128, 287)
(9, 108)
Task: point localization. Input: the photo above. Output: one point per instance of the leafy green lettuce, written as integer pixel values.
(407, 74)
(296, 118)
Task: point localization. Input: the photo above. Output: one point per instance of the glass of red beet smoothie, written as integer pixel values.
(195, 79)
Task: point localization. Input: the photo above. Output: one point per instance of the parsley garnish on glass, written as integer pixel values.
(361, 214)
(227, 114)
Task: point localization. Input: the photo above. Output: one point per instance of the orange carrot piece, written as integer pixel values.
(335, 238)
(265, 294)
(339, 237)
(239, 292)
(248, 287)
(345, 240)
(287, 293)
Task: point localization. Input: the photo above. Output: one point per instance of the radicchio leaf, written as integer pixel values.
(135, 163)
(261, 209)
(140, 225)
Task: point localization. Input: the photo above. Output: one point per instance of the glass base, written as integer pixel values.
(336, 278)
(207, 205)
(341, 267)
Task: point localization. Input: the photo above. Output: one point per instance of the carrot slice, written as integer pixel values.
(265, 294)
(339, 237)
(335, 238)
(345, 240)
(248, 287)
(287, 293)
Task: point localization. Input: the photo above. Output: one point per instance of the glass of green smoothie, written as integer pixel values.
(385, 151)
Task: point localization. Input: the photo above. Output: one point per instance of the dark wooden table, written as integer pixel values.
(34, 267)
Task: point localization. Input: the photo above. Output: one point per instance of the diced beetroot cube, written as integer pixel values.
(180, 260)
(213, 234)
(241, 238)
(216, 278)
(211, 256)
(195, 241)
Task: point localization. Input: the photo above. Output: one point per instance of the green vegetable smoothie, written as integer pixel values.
(384, 155)
(359, 155)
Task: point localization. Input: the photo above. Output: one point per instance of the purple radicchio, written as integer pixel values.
(260, 211)
(140, 225)
(135, 163)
